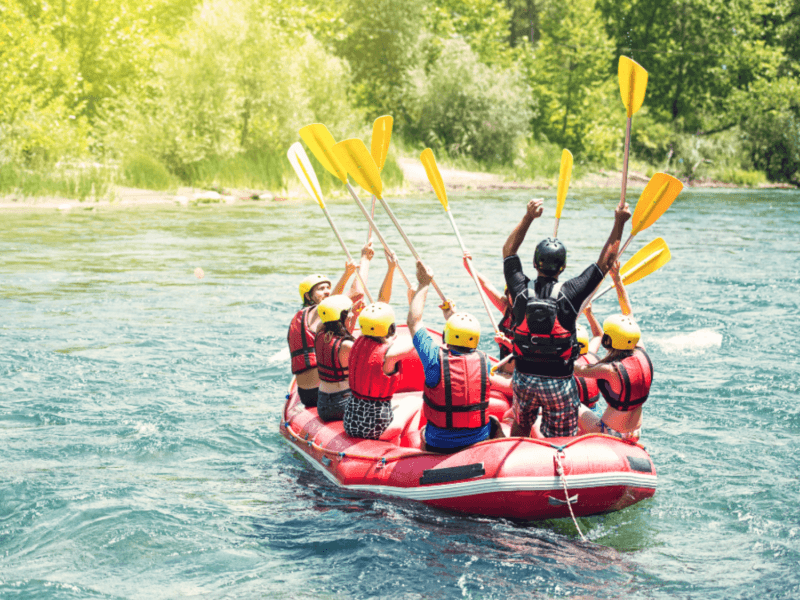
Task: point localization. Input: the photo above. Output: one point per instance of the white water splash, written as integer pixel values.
(279, 357)
(691, 343)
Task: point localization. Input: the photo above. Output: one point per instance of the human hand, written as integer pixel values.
(501, 339)
(467, 259)
(367, 251)
(535, 209)
(622, 214)
(358, 306)
(588, 309)
(448, 304)
(391, 259)
(614, 271)
(424, 274)
(349, 267)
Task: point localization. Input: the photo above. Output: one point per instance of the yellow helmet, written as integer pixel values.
(462, 329)
(583, 338)
(309, 282)
(623, 332)
(331, 308)
(376, 319)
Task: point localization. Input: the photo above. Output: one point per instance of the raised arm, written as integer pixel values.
(495, 297)
(349, 269)
(385, 293)
(609, 252)
(424, 278)
(532, 211)
(622, 292)
(366, 255)
(594, 324)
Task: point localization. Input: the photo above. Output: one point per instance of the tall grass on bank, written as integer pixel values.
(82, 181)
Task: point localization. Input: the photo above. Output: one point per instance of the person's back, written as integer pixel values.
(545, 321)
(333, 344)
(456, 393)
(375, 365)
(302, 336)
(623, 376)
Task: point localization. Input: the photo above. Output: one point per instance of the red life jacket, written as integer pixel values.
(635, 374)
(506, 325)
(587, 387)
(327, 348)
(367, 379)
(459, 399)
(549, 350)
(301, 342)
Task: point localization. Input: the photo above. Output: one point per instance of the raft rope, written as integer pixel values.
(560, 470)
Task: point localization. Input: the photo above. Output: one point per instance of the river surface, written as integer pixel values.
(139, 447)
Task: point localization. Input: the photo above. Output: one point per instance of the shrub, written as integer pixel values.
(466, 108)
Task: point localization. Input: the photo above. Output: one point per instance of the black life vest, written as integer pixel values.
(546, 348)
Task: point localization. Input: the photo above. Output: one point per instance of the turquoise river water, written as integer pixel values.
(139, 447)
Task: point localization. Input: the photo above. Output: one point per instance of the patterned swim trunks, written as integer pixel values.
(558, 398)
(367, 419)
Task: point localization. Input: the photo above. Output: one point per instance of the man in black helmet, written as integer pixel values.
(545, 344)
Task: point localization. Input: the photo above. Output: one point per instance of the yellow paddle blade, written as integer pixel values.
(646, 261)
(358, 162)
(656, 198)
(381, 136)
(320, 141)
(564, 175)
(632, 84)
(305, 172)
(429, 162)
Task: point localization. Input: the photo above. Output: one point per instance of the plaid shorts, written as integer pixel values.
(558, 398)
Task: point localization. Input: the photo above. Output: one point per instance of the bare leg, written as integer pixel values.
(588, 422)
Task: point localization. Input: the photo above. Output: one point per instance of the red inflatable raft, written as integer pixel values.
(518, 478)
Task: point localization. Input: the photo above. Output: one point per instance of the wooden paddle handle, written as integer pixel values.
(347, 253)
(377, 232)
(409, 244)
(474, 275)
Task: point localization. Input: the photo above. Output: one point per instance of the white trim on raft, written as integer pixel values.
(492, 485)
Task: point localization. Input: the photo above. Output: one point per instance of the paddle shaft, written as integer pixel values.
(347, 252)
(377, 231)
(625, 162)
(555, 229)
(409, 244)
(502, 362)
(372, 214)
(472, 272)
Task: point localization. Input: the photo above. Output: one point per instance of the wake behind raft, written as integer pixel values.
(518, 478)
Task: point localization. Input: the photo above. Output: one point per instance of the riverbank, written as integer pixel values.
(416, 182)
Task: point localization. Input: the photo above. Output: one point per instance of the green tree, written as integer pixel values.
(697, 52)
(483, 24)
(576, 103)
(381, 43)
(466, 107)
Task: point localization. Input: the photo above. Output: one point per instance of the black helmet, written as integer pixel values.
(550, 257)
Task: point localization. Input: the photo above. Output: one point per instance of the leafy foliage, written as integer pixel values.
(214, 91)
(466, 108)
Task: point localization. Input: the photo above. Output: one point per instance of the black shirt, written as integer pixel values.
(573, 293)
